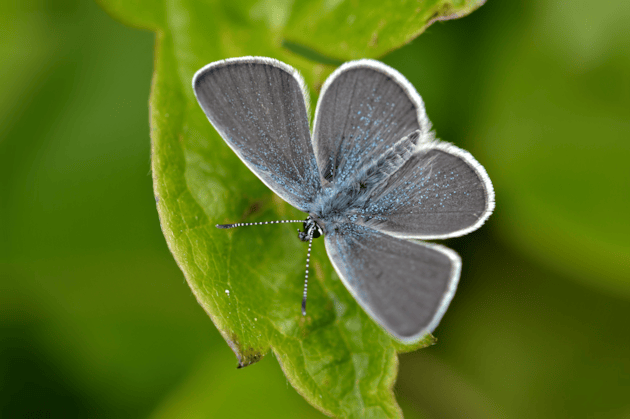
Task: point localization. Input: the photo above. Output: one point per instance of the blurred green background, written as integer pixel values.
(96, 320)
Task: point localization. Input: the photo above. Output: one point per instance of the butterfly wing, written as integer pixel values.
(363, 109)
(259, 106)
(440, 192)
(404, 286)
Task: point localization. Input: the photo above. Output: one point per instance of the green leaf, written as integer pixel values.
(249, 281)
(345, 30)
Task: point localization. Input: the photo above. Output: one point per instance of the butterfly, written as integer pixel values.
(371, 178)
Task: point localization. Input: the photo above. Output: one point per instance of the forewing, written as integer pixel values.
(404, 286)
(440, 192)
(259, 106)
(363, 109)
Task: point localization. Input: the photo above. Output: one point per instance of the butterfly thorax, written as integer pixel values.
(342, 202)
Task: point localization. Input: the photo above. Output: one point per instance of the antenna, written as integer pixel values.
(309, 232)
(257, 224)
(308, 258)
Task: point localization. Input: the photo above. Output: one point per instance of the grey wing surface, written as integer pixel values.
(363, 109)
(404, 286)
(440, 192)
(259, 106)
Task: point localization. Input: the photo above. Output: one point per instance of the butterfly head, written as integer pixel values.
(312, 229)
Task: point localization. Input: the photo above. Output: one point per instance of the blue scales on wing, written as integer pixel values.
(405, 286)
(364, 108)
(259, 106)
(440, 192)
(381, 166)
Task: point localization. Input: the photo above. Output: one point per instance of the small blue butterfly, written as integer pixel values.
(370, 177)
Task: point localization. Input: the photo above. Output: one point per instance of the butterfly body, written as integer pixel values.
(346, 200)
(370, 176)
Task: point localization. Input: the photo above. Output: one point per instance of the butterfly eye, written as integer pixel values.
(317, 232)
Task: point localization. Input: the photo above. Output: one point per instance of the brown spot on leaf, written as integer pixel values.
(447, 12)
(253, 209)
(245, 356)
(373, 40)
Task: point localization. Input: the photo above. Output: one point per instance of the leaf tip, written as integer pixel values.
(245, 356)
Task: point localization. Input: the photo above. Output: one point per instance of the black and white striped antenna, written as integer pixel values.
(308, 258)
(308, 254)
(257, 224)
